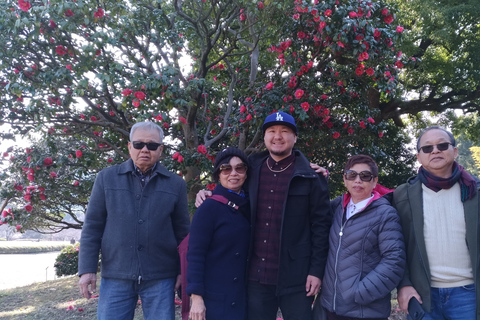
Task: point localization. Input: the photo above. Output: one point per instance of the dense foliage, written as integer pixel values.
(76, 75)
(66, 263)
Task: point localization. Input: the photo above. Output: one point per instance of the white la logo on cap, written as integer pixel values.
(279, 117)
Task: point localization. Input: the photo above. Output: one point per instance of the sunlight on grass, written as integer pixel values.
(22, 311)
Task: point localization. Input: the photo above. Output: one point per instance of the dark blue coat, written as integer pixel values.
(217, 256)
(366, 260)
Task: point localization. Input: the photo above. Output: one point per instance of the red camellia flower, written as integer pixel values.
(24, 5)
(48, 161)
(99, 13)
(127, 92)
(299, 93)
(269, 86)
(180, 159)
(61, 50)
(301, 35)
(249, 117)
(377, 34)
(350, 130)
(398, 64)
(42, 197)
(139, 95)
(296, 16)
(136, 103)
(242, 17)
(324, 97)
(328, 12)
(183, 120)
(243, 109)
(352, 14)
(363, 56)
(384, 11)
(336, 135)
(52, 24)
(175, 155)
(76, 183)
(260, 5)
(19, 227)
(69, 67)
(28, 208)
(93, 118)
(109, 160)
(362, 124)
(69, 13)
(79, 153)
(359, 71)
(370, 71)
(388, 19)
(202, 149)
(53, 174)
(370, 119)
(399, 29)
(211, 186)
(380, 134)
(387, 74)
(305, 106)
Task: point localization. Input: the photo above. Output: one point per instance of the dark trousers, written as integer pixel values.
(263, 303)
(333, 316)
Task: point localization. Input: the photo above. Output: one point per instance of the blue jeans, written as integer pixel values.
(453, 303)
(118, 299)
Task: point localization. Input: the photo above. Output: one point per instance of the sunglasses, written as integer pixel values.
(441, 147)
(364, 175)
(152, 146)
(227, 169)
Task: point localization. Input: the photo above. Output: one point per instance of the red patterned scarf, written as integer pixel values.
(468, 185)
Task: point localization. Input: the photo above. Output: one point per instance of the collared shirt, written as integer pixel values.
(144, 176)
(354, 208)
(272, 194)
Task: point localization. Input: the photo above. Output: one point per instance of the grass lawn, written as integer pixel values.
(52, 300)
(60, 299)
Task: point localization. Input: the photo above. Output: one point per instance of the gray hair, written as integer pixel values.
(450, 135)
(146, 125)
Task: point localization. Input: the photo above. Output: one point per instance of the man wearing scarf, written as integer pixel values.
(439, 212)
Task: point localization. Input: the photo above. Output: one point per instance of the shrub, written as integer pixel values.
(67, 261)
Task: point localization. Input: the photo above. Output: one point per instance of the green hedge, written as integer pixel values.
(15, 247)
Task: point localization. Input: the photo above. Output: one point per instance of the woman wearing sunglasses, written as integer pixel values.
(366, 257)
(218, 244)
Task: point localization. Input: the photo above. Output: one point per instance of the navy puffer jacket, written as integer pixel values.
(366, 260)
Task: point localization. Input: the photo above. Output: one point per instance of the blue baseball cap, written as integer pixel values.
(280, 118)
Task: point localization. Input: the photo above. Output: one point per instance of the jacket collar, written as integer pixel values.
(127, 167)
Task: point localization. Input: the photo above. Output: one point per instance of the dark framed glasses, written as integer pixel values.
(227, 169)
(441, 147)
(352, 175)
(152, 146)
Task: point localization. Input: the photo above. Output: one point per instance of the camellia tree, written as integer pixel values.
(76, 75)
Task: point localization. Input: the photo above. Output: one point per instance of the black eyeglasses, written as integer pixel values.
(364, 175)
(227, 169)
(441, 147)
(152, 146)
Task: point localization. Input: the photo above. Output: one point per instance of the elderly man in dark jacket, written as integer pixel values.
(137, 215)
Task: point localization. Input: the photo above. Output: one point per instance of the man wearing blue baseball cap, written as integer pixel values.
(290, 217)
(291, 221)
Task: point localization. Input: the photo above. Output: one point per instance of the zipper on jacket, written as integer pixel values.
(336, 264)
